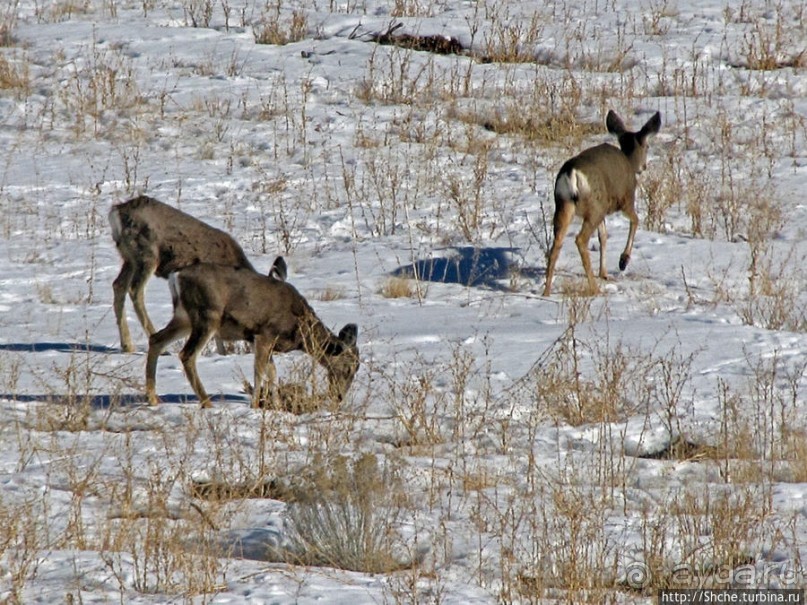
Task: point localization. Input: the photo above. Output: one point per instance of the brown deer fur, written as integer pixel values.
(599, 181)
(240, 304)
(153, 237)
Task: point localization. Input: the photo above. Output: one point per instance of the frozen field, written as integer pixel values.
(497, 446)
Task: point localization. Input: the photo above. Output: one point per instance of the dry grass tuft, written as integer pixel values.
(794, 451)
(348, 518)
(578, 290)
(770, 45)
(14, 78)
(513, 120)
(279, 30)
(330, 293)
(297, 399)
(398, 287)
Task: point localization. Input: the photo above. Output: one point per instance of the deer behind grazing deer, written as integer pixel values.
(153, 237)
(240, 304)
(599, 181)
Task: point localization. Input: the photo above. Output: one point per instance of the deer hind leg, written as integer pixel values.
(602, 235)
(201, 332)
(137, 288)
(582, 240)
(634, 223)
(265, 375)
(564, 215)
(176, 328)
(120, 287)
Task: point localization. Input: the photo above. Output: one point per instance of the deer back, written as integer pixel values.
(144, 227)
(247, 304)
(601, 176)
(602, 179)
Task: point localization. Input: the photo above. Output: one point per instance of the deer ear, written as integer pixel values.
(279, 270)
(652, 127)
(614, 123)
(349, 334)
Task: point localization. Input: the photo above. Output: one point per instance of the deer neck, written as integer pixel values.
(317, 339)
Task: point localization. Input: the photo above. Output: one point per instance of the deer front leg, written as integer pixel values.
(120, 287)
(158, 342)
(265, 374)
(634, 223)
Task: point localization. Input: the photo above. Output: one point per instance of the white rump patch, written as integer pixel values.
(572, 185)
(115, 224)
(173, 285)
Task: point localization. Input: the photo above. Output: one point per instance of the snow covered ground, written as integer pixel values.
(521, 448)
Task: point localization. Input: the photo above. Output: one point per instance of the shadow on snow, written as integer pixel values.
(468, 266)
(59, 347)
(107, 401)
(100, 401)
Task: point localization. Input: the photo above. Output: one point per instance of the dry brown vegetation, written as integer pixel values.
(427, 447)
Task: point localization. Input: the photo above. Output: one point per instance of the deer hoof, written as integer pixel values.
(623, 261)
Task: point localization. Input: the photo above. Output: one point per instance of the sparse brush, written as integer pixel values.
(572, 553)
(579, 291)
(592, 383)
(662, 188)
(149, 540)
(794, 450)
(13, 77)
(769, 46)
(718, 529)
(657, 20)
(105, 85)
(413, 8)
(198, 13)
(154, 553)
(8, 22)
(380, 193)
(519, 487)
(22, 535)
(396, 76)
(279, 30)
(348, 519)
(512, 38)
(736, 441)
(775, 280)
(331, 293)
(398, 287)
(775, 294)
(296, 398)
(563, 129)
(469, 198)
(419, 408)
(700, 538)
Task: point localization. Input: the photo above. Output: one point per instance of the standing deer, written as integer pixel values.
(599, 181)
(240, 304)
(153, 237)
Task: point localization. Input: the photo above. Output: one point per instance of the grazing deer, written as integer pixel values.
(153, 237)
(241, 304)
(599, 181)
